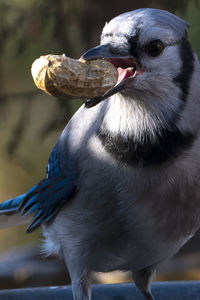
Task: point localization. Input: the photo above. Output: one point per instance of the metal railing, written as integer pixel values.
(188, 290)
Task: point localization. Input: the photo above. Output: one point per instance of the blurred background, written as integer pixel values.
(30, 121)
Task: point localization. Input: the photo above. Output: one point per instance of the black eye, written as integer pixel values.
(154, 48)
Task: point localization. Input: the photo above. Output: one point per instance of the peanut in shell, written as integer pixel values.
(59, 75)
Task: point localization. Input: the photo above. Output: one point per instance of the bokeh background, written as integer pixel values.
(30, 121)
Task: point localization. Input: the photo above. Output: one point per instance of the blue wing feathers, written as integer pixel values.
(53, 168)
(46, 198)
(11, 205)
(50, 196)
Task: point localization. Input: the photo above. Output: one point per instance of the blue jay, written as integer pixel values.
(123, 181)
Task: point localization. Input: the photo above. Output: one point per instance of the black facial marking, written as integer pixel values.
(183, 78)
(133, 41)
(169, 144)
(134, 50)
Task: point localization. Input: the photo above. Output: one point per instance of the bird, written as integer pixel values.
(123, 181)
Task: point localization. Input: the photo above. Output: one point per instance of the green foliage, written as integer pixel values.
(33, 27)
(192, 16)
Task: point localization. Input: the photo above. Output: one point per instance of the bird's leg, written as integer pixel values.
(143, 280)
(81, 287)
(80, 278)
(148, 296)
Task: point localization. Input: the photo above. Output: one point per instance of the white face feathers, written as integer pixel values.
(156, 68)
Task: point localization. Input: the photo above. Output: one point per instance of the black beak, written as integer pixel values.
(115, 56)
(102, 51)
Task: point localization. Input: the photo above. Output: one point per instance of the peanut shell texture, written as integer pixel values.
(59, 75)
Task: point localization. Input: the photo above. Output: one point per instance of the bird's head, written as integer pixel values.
(149, 47)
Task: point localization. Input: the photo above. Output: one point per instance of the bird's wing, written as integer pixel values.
(46, 198)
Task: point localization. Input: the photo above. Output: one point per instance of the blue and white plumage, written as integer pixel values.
(122, 189)
(46, 198)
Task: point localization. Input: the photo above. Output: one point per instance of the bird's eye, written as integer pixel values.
(154, 48)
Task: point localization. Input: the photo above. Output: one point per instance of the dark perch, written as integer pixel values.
(183, 290)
